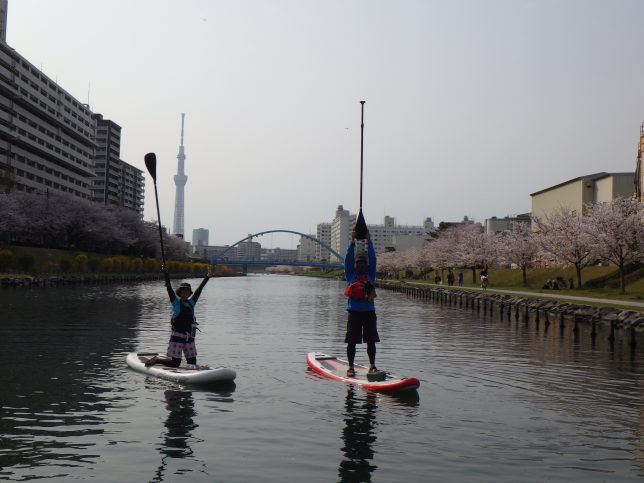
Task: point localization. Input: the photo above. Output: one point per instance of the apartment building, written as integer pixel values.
(46, 136)
(390, 236)
(323, 233)
(116, 182)
(51, 142)
(341, 227)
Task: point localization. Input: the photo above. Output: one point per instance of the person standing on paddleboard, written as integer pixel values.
(360, 274)
(184, 323)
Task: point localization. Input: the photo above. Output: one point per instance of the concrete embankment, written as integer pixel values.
(618, 326)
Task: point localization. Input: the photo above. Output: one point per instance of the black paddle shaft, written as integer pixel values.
(361, 150)
(361, 225)
(151, 164)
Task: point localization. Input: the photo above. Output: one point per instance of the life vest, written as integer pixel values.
(185, 321)
(361, 289)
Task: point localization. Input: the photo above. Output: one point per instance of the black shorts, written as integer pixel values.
(361, 327)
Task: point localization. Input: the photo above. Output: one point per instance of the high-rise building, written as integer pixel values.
(199, 237)
(116, 182)
(341, 227)
(324, 235)
(3, 20)
(49, 139)
(46, 136)
(180, 180)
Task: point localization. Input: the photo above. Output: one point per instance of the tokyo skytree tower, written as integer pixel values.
(180, 180)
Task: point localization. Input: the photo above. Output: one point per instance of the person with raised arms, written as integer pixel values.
(360, 274)
(183, 323)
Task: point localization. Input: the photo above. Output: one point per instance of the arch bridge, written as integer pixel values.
(221, 257)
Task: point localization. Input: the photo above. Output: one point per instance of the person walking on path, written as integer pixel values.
(484, 278)
(360, 274)
(460, 279)
(183, 322)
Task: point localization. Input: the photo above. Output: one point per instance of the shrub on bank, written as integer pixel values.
(26, 263)
(29, 260)
(6, 260)
(65, 264)
(93, 264)
(81, 260)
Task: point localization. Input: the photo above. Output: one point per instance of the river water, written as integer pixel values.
(499, 400)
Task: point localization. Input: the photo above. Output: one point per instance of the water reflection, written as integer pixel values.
(55, 398)
(358, 436)
(180, 424)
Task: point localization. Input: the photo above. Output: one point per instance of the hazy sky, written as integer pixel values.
(471, 105)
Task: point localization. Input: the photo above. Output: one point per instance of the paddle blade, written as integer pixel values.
(361, 227)
(151, 164)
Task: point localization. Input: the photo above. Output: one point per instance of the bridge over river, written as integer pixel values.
(222, 259)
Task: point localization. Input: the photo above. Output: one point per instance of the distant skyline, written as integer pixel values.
(470, 105)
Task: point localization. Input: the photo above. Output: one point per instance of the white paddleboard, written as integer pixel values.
(181, 374)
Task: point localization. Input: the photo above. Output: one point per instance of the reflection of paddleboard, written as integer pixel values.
(182, 374)
(335, 368)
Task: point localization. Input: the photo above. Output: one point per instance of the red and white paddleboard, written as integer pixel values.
(334, 368)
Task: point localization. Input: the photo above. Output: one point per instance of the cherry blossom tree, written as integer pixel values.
(615, 232)
(562, 235)
(13, 219)
(476, 249)
(58, 221)
(517, 245)
(440, 252)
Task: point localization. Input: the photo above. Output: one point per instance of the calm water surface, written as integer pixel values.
(499, 400)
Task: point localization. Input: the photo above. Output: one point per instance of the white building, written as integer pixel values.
(324, 235)
(390, 236)
(341, 228)
(307, 249)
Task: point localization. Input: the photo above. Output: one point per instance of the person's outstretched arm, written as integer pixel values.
(203, 283)
(168, 286)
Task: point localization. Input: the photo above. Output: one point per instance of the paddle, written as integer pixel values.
(361, 225)
(151, 164)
